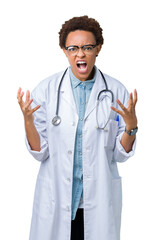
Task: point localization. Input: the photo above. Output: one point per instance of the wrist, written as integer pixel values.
(132, 124)
(132, 131)
(131, 127)
(28, 121)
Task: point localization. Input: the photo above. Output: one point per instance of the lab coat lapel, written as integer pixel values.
(98, 86)
(66, 92)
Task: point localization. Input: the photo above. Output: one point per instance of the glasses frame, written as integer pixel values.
(92, 45)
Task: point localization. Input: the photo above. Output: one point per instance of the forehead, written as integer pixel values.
(80, 37)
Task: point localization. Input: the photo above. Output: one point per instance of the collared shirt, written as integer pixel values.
(81, 93)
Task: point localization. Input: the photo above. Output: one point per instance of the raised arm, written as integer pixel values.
(129, 116)
(31, 131)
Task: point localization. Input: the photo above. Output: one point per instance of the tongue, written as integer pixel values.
(82, 66)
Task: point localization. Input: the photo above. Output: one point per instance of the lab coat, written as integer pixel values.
(102, 188)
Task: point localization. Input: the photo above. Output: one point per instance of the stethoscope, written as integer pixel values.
(57, 119)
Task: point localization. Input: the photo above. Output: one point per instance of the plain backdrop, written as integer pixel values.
(29, 52)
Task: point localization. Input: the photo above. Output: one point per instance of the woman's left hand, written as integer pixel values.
(128, 114)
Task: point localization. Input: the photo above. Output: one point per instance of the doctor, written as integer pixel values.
(78, 192)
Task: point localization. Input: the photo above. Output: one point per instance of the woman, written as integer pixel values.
(78, 189)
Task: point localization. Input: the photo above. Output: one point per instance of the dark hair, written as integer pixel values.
(80, 23)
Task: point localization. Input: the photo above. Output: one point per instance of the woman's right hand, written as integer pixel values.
(26, 106)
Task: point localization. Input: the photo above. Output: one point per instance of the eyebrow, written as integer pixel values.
(79, 46)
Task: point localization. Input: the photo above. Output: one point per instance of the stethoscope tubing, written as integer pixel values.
(58, 95)
(57, 119)
(106, 89)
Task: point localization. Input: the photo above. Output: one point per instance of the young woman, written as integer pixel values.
(78, 129)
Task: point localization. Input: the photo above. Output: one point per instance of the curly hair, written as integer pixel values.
(80, 23)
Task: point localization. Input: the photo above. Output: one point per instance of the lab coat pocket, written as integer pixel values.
(117, 202)
(43, 198)
(110, 134)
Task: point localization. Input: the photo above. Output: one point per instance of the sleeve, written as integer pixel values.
(40, 123)
(120, 155)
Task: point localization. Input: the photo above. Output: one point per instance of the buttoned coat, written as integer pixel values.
(102, 150)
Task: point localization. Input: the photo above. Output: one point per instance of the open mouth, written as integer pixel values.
(82, 66)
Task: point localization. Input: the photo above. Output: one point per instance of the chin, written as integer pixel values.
(84, 75)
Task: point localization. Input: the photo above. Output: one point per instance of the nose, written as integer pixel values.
(80, 53)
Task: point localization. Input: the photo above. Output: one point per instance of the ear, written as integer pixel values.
(64, 50)
(98, 49)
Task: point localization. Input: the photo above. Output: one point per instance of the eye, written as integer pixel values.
(72, 49)
(88, 48)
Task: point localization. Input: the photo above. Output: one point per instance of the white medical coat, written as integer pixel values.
(102, 190)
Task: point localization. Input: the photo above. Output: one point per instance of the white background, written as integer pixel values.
(29, 52)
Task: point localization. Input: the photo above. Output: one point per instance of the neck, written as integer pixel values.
(92, 74)
(90, 77)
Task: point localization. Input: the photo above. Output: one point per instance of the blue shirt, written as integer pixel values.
(81, 93)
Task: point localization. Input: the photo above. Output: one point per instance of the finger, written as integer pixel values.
(36, 108)
(20, 97)
(130, 103)
(19, 92)
(116, 110)
(27, 96)
(27, 105)
(121, 105)
(135, 97)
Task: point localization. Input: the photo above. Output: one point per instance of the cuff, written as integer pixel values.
(120, 154)
(38, 155)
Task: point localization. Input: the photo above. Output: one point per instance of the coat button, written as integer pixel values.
(88, 148)
(88, 176)
(68, 208)
(68, 179)
(73, 123)
(69, 152)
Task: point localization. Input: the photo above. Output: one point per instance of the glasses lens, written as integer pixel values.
(72, 50)
(88, 49)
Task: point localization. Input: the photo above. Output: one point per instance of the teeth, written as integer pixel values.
(81, 62)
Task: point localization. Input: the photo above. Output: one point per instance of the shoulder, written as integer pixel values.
(45, 85)
(117, 87)
(46, 89)
(49, 80)
(113, 82)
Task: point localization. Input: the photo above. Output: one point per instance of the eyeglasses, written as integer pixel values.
(87, 49)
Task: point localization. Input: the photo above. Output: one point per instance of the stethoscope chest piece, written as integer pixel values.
(56, 120)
